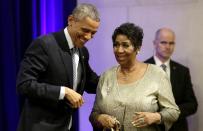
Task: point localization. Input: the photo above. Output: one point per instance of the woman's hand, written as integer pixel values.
(107, 121)
(142, 119)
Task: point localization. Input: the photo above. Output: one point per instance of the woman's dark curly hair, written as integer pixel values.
(133, 32)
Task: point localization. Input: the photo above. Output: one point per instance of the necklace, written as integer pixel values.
(126, 74)
(125, 77)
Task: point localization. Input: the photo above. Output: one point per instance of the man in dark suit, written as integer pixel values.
(179, 75)
(55, 72)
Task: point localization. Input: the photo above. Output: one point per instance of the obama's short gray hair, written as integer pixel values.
(86, 10)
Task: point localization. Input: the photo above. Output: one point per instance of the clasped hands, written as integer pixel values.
(74, 98)
(140, 119)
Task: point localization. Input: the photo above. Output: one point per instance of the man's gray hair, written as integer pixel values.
(86, 10)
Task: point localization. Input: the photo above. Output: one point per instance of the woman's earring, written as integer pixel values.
(138, 52)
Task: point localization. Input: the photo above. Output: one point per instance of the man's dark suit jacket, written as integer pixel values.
(46, 66)
(183, 93)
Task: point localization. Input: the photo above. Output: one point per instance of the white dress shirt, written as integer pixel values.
(76, 69)
(167, 63)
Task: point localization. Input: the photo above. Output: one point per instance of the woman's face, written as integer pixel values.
(124, 51)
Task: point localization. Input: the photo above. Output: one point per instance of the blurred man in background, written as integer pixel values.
(164, 44)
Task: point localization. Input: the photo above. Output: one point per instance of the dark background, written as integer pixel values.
(20, 22)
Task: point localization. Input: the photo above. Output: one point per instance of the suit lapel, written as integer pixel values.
(82, 61)
(173, 73)
(67, 61)
(66, 57)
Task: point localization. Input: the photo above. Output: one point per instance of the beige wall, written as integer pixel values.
(185, 17)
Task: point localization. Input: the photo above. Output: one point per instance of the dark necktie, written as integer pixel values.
(163, 66)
